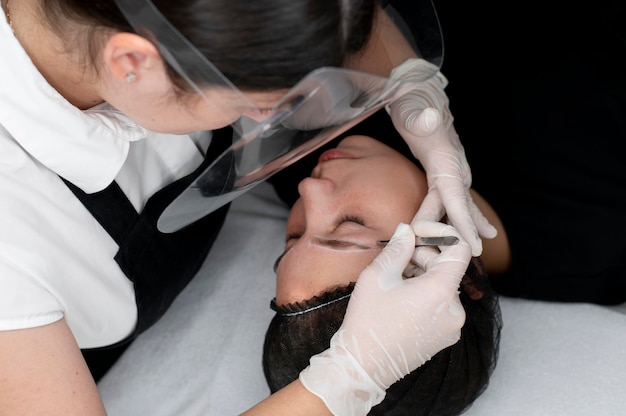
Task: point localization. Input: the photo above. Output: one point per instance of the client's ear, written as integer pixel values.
(469, 284)
(471, 290)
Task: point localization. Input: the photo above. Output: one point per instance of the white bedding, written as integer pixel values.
(204, 356)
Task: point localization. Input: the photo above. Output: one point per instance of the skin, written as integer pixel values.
(356, 196)
(41, 369)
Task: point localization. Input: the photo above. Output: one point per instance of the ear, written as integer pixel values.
(127, 53)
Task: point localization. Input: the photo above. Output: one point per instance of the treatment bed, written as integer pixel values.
(204, 356)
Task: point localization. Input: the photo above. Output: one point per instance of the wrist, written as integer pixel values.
(340, 381)
(418, 70)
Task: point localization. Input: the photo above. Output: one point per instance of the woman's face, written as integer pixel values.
(356, 196)
(151, 99)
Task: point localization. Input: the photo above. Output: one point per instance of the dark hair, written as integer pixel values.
(445, 385)
(258, 45)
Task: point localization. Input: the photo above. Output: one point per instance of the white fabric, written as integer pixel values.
(55, 259)
(204, 357)
(558, 359)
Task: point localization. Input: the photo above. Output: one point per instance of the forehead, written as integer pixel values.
(309, 270)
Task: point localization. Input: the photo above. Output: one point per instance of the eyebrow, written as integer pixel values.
(332, 243)
(339, 244)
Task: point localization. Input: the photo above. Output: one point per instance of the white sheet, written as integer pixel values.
(204, 356)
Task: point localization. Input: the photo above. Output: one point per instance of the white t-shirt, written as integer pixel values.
(55, 259)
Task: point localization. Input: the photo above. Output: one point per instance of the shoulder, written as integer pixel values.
(55, 260)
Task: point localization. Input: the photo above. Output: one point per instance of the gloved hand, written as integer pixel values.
(392, 325)
(424, 120)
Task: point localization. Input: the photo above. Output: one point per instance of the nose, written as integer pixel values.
(315, 187)
(316, 193)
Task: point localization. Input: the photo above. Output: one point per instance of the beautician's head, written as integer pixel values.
(356, 196)
(263, 47)
(327, 248)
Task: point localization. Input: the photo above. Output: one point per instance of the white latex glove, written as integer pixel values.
(392, 325)
(424, 120)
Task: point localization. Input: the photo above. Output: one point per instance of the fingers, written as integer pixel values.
(386, 269)
(461, 212)
(447, 263)
(485, 229)
(431, 209)
(423, 257)
(425, 123)
(458, 213)
(416, 119)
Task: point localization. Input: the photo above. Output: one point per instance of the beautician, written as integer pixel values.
(110, 111)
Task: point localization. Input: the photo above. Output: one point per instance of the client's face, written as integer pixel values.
(356, 196)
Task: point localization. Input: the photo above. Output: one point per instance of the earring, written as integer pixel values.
(130, 77)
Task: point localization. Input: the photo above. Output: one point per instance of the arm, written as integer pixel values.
(42, 372)
(293, 400)
(423, 118)
(496, 251)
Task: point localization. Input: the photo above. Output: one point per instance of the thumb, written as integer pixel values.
(387, 268)
(425, 122)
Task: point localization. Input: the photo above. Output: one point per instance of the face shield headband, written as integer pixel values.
(324, 104)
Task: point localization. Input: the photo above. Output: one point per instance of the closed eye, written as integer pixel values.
(295, 236)
(351, 218)
(292, 236)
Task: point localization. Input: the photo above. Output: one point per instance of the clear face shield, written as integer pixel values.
(324, 104)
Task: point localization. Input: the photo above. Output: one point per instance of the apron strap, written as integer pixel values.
(159, 265)
(106, 204)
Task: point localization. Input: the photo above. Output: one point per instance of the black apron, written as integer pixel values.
(159, 265)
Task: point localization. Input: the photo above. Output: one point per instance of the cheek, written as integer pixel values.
(393, 205)
(285, 289)
(296, 280)
(407, 192)
(405, 206)
(295, 220)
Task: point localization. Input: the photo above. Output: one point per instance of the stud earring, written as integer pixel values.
(130, 77)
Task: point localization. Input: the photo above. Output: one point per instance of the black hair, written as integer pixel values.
(258, 45)
(445, 385)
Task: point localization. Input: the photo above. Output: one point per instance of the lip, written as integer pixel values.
(333, 154)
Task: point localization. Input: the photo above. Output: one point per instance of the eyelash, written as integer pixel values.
(351, 218)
